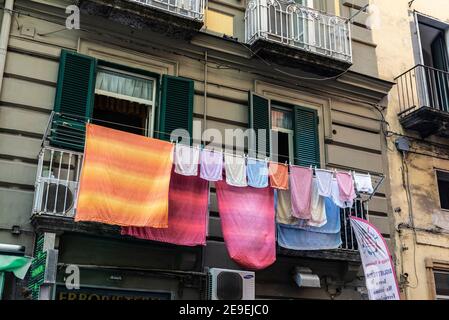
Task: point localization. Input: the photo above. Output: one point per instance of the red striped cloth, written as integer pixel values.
(248, 224)
(187, 214)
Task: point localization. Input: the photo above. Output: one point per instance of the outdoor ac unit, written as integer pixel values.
(56, 197)
(231, 284)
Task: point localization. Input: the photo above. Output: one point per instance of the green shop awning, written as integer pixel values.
(17, 265)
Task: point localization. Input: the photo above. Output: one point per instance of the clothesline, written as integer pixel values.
(201, 147)
(161, 132)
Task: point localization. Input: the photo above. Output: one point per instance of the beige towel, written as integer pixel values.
(284, 209)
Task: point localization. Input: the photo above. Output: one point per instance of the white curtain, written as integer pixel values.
(124, 84)
(281, 119)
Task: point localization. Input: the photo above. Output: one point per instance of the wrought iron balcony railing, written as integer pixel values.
(298, 27)
(192, 9)
(423, 87)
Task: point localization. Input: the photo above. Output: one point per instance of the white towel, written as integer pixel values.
(319, 218)
(363, 183)
(336, 196)
(235, 171)
(324, 180)
(186, 160)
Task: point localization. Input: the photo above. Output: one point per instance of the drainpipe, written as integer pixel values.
(4, 37)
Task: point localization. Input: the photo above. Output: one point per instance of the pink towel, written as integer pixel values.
(346, 186)
(187, 214)
(301, 192)
(248, 224)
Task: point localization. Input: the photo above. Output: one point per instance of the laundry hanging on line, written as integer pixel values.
(346, 187)
(187, 214)
(186, 160)
(318, 210)
(301, 192)
(211, 165)
(278, 176)
(257, 173)
(124, 179)
(248, 224)
(300, 238)
(235, 167)
(363, 182)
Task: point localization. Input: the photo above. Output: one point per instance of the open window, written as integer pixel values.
(443, 189)
(282, 133)
(432, 51)
(124, 101)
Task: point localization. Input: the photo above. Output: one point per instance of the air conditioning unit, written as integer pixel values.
(231, 284)
(56, 197)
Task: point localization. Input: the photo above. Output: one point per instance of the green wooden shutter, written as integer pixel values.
(176, 110)
(306, 140)
(259, 118)
(74, 100)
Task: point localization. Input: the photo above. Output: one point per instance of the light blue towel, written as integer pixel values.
(333, 224)
(257, 173)
(303, 238)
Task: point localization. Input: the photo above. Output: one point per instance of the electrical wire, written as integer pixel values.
(406, 185)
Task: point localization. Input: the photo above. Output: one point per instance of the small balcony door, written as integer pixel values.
(432, 51)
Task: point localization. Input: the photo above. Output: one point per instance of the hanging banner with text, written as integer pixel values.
(379, 271)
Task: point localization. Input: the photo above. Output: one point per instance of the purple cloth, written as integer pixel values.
(301, 192)
(211, 164)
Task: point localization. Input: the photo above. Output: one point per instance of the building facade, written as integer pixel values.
(415, 53)
(224, 64)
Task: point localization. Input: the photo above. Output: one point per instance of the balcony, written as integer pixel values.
(292, 35)
(423, 94)
(177, 18)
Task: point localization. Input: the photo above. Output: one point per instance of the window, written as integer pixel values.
(116, 96)
(291, 129)
(431, 50)
(443, 189)
(441, 284)
(438, 279)
(282, 134)
(124, 101)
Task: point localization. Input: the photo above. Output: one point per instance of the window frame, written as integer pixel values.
(149, 121)
(433, 265)
(291, 132)
(141, 73)
(438, 188)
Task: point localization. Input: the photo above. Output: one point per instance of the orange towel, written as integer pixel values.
(125, 179)
(278, 176)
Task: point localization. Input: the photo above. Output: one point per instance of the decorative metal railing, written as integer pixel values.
(423, 86)
(192, 9)
(299, 27)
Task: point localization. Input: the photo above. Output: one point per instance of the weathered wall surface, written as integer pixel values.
(394, 39)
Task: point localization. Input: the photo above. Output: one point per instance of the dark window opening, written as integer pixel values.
(443, 189)
(442, 285)
(283, 146)
(120, 114)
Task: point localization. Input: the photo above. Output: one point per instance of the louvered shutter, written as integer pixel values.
(176, 111)
(259, 119)
(306, 140)
(74, 100)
